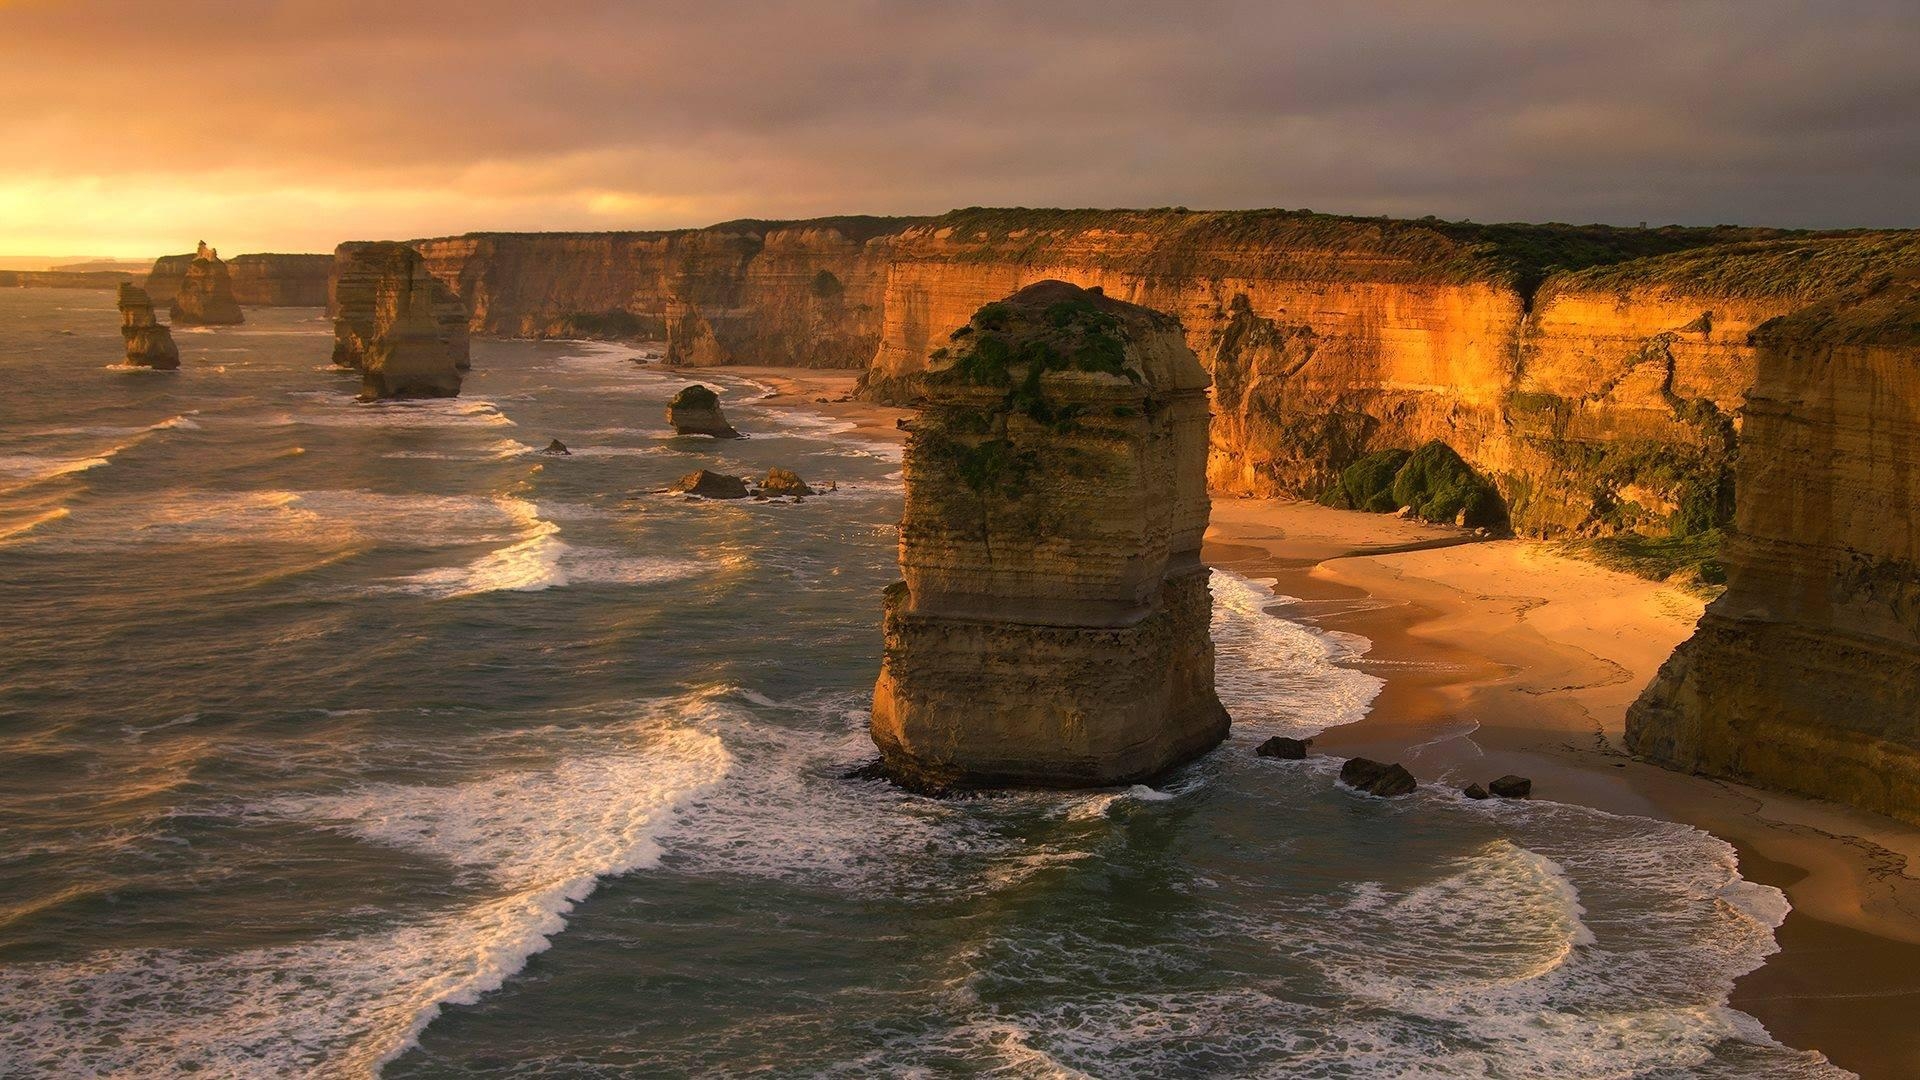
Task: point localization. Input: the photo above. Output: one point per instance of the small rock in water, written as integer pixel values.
(1474, 791)
(1512, 787)
(711, 485)
(784, 482)
(1377, 778)
(1284, 748)
(557, 447)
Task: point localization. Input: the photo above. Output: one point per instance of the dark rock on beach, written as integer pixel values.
(1474, 791)
(1283, 748)
(1377, 778)
(1512, 787)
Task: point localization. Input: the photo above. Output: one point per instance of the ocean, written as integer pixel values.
(344, 739)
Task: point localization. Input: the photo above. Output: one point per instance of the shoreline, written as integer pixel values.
(1505, 656)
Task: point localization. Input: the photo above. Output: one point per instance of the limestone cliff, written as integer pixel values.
(1805, 674)
(400, 326)
(1591, 372)
(788, 293)
(1052, 628)
(206, 293)
(148, 343)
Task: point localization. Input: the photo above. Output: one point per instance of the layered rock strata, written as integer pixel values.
(1052, 627)
(206, 293)
(397, 324)
(1805, 674)
(148, 343)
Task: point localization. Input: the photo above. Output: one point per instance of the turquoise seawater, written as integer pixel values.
(340, 739)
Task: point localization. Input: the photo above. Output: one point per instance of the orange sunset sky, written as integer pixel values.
(135, 129)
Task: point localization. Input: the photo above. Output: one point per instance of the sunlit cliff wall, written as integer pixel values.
(1805, 673)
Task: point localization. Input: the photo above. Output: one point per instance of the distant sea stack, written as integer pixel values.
(148, 343)
(206, 293)
(1805, 674)
(262, 280)
(404, 331)
(1052, 628)
(696, 411)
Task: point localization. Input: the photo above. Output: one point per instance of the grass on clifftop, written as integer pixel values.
(1801, 267)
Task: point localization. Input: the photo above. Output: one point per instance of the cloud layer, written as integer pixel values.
(133, 128)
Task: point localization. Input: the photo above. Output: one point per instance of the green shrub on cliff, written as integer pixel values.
(1367, 484)
(1436, 485)
(695, 397)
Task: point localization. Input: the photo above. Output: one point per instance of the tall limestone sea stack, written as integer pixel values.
(397, 324)
(1052, 628)
(1805, 674)
(206, 293)
(148, 343)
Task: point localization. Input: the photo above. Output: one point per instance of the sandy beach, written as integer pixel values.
(1504, 656)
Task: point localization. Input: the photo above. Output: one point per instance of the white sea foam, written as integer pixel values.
(528, 845)
(539, 559)
(1277, 676)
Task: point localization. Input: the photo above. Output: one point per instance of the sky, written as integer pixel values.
(132, 129)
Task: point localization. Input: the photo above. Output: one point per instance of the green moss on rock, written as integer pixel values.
(1436, 485)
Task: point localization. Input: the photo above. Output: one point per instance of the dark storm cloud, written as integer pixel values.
(411, 118)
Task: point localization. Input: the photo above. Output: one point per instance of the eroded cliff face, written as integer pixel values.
(205, 297)
(1805, 674)
(798, 294)
(396, 323)
(1052, 628)
(1598, 401)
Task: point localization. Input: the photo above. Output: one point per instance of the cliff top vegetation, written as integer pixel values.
(1802, 266)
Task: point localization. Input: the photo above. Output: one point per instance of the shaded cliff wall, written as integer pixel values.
(398, 324)
(1805, 673)
(261, 280)
(802, 293)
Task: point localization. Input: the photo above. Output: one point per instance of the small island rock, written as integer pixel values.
(712, 485)
(206, 293)
(1377, 778)
(696, 411)
(558, 449)
(1283, 748)
(1512, 787)
(1474, 791)
(784, 482)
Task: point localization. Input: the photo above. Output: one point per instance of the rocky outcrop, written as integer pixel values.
(1378, 778)
(711, 485)
(1805, 674)
(1052, 625)
(695, 410)
(206, 296)
(781, 481)
(397, 324)
(148, 343)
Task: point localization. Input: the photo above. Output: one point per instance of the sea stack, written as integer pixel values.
(148, 343)
(206, 293)
(696, 411)
(1805, 674)
(1052, 627)
(403, 329)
